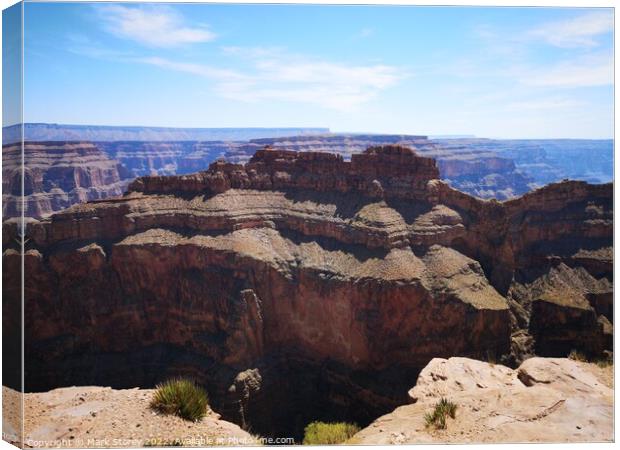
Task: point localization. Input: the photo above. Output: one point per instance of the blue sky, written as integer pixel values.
(492, 72)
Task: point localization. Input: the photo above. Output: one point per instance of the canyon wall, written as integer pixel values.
(548, 160)
(56, 176)
(301, 286)
(477, 171)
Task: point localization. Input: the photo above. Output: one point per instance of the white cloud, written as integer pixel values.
(154, 25)
(577, 32)
(583, 72)
(275, 75)
(195, 69)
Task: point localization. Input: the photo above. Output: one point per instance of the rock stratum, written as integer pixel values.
(301, 286)
(56, 175)
(475, 170)
(500, 169)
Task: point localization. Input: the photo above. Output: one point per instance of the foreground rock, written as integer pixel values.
(89, 416)
(544, 400)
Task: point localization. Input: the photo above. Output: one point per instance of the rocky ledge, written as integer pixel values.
(301, 286)
(544, 400)
(96, 417)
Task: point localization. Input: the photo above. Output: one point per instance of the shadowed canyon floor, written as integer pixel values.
(302, 287)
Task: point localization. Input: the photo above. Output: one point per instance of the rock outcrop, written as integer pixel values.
(545, 400)
(55, 176)
(477, 171)
(294, 286)
(89, 416)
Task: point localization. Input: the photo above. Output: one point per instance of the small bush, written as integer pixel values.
(601, 361)
(604, 362)
(437, 418)
(576, 355)
(182, 398)
(321, 433)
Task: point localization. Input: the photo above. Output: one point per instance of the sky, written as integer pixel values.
(490, 72)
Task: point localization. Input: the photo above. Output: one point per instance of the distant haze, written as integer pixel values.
(56, 132)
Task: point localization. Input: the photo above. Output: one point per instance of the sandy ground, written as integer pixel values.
(105, 417)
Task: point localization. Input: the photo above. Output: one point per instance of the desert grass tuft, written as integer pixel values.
(443, 409)
(181, 397)
(322, 433)
(576, 355)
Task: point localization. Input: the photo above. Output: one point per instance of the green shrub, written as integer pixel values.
(321, 433)
(443, 409)
(182, 398)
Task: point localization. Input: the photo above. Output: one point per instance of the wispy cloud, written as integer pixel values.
(192, 68)
(81, 44)
(594, 70)
(275, 75)
(551, 103)
(516, 53)
(365, 32)
(580, 31)
(153, 25)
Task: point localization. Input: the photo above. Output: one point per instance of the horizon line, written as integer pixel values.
(430, 136)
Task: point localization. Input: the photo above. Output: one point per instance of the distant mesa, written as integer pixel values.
(57, 132)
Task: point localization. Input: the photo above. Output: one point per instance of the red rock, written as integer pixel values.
(355, 267)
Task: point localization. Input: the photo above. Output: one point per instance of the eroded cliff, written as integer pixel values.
(55, 176)
(301, 286)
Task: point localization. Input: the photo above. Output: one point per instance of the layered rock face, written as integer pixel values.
(477, 171)
(301, 286)
(165, 158)
(544, 400)
(57, 175)
(548, 160)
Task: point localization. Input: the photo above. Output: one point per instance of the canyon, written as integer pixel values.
(480, 172)
(548, 160)
(306, 286)
(485, 168)
(56, 175)
(477, 171)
